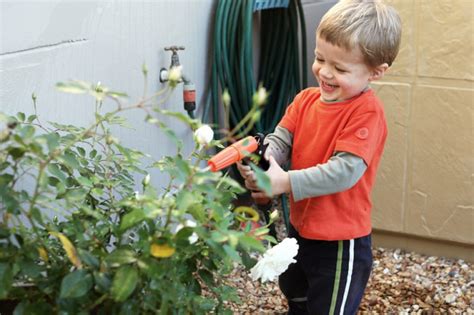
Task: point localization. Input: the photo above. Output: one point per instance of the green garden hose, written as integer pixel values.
(281, 64)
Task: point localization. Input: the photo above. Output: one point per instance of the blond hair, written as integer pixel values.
(368, 24)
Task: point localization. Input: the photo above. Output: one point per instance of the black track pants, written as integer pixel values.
(329, 277)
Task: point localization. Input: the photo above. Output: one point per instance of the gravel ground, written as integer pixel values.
(401, 283)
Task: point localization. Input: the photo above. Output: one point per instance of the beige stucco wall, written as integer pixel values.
(424, 190)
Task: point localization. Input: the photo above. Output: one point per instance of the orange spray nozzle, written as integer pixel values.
(233, 153)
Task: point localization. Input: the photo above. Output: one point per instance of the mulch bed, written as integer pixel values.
(401, 283)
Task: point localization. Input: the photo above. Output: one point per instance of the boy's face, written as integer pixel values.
(341, 74)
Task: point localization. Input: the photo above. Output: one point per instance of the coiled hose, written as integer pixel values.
(281, 69)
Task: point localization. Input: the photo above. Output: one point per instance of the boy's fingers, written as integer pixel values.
(251, 184)
(259, 194)
(244, 170)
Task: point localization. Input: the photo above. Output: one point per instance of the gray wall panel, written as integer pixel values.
(43, 42)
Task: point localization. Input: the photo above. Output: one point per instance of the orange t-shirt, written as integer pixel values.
(319, 130)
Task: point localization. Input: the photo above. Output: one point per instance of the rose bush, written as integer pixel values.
(76, 236)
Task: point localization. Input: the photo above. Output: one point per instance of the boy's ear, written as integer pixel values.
(378, 72)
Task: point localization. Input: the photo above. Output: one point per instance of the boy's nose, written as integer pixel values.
(325, 72)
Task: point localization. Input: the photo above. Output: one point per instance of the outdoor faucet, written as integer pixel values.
(174, 56)
(189, 90)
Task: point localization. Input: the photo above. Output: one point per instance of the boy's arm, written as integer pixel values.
(279, 145)
(341, 172)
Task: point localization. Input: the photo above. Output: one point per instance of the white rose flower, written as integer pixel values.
(204, 135)
(260, 97)
(275, 260)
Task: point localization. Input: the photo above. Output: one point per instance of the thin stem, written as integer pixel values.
(145, 84)
(98, 302)
(245, 120)
(36, 113)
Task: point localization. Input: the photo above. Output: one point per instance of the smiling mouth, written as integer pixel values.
(328, 86)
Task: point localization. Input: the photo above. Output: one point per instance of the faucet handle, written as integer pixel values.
(174, 56)
(174, 48)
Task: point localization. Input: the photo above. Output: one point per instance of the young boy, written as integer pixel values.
(335, 136)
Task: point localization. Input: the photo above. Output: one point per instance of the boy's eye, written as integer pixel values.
(319, 59)
(340, 70)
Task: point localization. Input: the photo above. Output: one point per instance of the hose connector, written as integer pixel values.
(189, 97)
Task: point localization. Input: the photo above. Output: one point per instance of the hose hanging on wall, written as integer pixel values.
(281, 69)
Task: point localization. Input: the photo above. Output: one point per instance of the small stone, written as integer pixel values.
(450, 298)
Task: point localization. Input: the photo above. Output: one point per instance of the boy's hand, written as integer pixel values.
(245, 171)
(279, 180)
(248, 175)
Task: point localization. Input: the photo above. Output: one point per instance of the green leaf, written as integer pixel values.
(120, 257)
(30, 269)
(69, 159)
(16, 153)
(180, 116)
(56, 171)
(102, 281)
(31, 118)
(74, 87)
(181, 168)
(231, 185)
(5, 179)
(85, 182)
(93, 154)
(53, 181)
(124, 283)
(4, 232)
(198, 213)
(251, 243)
(36, 215)
(33, 308)
(11, 203)
(248, 261)
(76, 195)
(219, 237)
(81, 151)
(232, 253)
(184, 199)
(207, 277)
(88, 258)
(6, 279)
(76, 284)
(116, 94)
(263, 181)
(205, 304)
(21, 116)
(52, 140)
(131, 219)
(27, 132)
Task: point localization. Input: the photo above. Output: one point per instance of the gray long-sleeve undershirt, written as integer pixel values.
(340, 172)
